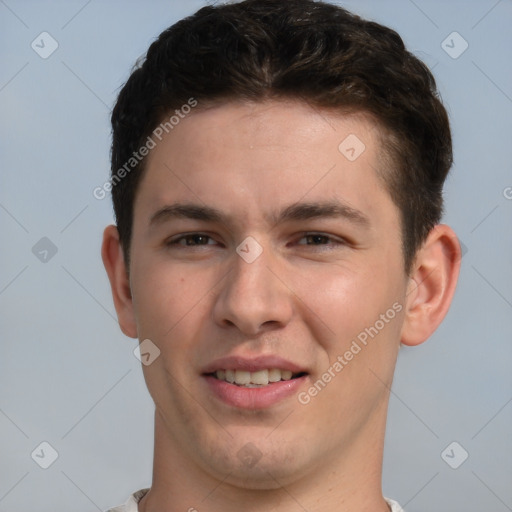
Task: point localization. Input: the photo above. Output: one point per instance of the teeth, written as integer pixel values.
(242, 377)
(253, 379)
(286, 374)
(274, 375)
(260, 377)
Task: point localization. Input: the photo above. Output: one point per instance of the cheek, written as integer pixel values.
(350, 302)
(165, 297)
(342, 298)
(364, 315)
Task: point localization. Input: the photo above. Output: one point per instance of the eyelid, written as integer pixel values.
(336, 239)
(174, 240)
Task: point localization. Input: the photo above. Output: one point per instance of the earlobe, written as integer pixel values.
(432, 285)
(113, 260)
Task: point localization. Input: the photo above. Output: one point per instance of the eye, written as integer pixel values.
(190, 240)
(320, 239)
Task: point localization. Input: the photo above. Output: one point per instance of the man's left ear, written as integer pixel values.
(432, 285)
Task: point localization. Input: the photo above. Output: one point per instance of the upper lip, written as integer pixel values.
(252, 364)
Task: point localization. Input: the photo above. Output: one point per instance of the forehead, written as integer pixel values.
(272, 125)
(246, 155)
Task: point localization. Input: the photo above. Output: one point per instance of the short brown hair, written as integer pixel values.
(301, 49)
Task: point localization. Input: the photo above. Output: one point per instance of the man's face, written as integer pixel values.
(325, 285)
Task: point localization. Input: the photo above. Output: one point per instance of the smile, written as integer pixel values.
(256, 379)
(253, 383)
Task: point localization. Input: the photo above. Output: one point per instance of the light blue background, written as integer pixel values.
(67, 374)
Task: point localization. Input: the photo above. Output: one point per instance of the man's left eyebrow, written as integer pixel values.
(316, 210)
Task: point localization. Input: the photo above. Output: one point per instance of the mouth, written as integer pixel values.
(254, 383)
(257, 379)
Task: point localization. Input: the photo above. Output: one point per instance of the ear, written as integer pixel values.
(113, 259)
(431, 285)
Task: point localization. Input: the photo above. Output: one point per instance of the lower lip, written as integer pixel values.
(254, 398)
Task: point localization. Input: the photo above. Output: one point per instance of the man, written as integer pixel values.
(277, 173)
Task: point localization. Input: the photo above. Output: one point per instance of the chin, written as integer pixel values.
(256, 480)
(268, 467)
(265, 476)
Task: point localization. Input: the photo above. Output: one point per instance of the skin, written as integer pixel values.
(304, 299)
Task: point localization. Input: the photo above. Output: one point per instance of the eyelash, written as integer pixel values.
(176, 241)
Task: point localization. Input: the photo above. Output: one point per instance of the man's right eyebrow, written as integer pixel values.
(187, 211)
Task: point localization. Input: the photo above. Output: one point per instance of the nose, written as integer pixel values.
(254, 296)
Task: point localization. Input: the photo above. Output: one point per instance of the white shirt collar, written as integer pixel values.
(131, 504)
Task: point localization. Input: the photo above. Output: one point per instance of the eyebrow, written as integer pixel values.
(294, 212)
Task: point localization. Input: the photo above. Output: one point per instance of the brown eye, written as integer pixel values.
(320, 239)
(317, 239)
(190, 240)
